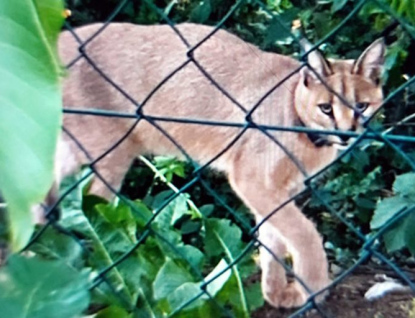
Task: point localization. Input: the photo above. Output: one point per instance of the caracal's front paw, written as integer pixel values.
(291, 296)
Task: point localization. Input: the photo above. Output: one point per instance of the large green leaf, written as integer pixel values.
(57, 246)
(386, 210)
(279, 29)
(394, 237)
(178, 286)
(113, 311)
(404, 185)
(410, 233)
(170, 277)
(338, 5)
(185, 297)
(401, 233)
(218, 277)
(107, 242)
(224, 237)
(163, 225)
(31, 288)
(30, 108)
(173, 211)
(201, 13)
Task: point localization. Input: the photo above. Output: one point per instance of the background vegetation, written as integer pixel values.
(206, 228)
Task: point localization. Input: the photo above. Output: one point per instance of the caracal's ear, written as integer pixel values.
(370, 63)
(317, 61)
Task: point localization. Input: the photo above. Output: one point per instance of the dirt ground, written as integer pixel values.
(347, 300)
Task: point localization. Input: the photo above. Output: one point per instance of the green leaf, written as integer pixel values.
(141, 213)
(226, 238)
(170, 277)
(173, 211)
(30, 120)
(163, 224)
(392, 56)
(404, 8)
(145, 307)
(401, 234)
(365, 203)
(221, 236)
(186, 294)
(323, 22)
(181, 290)
(169, 166)
(395, 237)
(119, 215)
(202, 12)
(203, 310)
(207, 209)
(404, 185)
(370, 8)
(116, 213)
(113, 311)
(57, 246)
(177, 250)
(410, 233)
(338, 5)
(387, 209)
(279, 28)
(108, 242)
(254, 296)
(218, 282)
(190, 227)
(139, 271)
(31, 288)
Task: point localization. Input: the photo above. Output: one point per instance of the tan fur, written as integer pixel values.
(138, 58)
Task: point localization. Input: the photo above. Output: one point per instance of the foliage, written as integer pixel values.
(354, 188)
(163, 275)
(31, 288)
(401, 233)
(30, 120)
(404, 8)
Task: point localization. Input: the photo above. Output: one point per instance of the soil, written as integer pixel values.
(347, 300)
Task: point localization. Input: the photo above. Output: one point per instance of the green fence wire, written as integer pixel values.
(369, 246)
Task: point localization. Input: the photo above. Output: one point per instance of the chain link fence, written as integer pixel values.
(206, 289)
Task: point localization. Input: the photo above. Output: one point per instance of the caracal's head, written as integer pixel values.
(356, 82)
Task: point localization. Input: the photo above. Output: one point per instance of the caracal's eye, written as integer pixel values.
(326, 108)
(361, 107)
